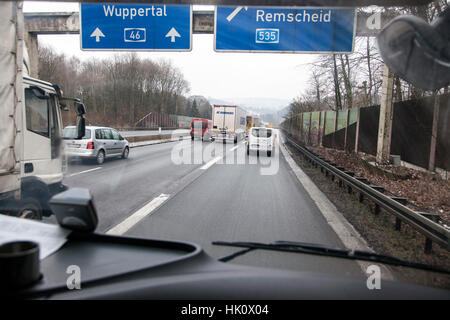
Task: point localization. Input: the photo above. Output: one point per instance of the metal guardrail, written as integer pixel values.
(421, 222)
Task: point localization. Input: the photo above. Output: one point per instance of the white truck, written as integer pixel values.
(32, 158)
(229, 123)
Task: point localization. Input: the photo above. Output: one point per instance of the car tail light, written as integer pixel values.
(90, 145)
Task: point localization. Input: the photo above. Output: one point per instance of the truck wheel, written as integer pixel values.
(29, 208)
(125, 153)
(100, 157)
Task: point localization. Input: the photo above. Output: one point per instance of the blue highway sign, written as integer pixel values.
(111, 26)
(291, 30)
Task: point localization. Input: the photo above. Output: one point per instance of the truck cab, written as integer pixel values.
(39, 153)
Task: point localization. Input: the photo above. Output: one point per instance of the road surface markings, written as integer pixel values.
(232, 149)
(132, 220)
(210, 163)
(85, 171)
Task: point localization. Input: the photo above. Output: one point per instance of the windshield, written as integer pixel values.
(71, 133)
(312, 79)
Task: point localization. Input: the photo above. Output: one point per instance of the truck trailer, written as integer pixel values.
(229, 123)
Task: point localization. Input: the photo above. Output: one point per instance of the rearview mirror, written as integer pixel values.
(417, 51)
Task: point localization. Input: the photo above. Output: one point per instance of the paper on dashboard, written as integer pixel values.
(49, 237)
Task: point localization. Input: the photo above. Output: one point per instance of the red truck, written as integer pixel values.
(201, 128)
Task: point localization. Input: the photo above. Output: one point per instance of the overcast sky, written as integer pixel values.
(211, 74)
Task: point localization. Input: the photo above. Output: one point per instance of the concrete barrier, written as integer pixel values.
(138, 141)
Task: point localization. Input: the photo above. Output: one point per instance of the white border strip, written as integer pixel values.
(349, 236)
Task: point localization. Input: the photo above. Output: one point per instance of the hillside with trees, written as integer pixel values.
(120, 90)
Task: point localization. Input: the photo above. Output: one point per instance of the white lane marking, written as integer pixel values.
(234, 148)
(85, 171)
(210, 163)
(132, 220)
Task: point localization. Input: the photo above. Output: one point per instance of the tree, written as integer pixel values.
(194, 109)
(119, 90)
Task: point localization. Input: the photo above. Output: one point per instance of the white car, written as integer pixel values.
(261, 139)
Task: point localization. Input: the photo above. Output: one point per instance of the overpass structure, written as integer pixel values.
(203, 23)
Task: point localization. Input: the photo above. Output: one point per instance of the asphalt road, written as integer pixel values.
(211, 200)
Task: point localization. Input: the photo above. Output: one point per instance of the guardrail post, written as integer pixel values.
(428, 245)
(398, 224)
(377, 209)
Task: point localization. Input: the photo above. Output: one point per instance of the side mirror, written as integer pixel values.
(80, 108)
(81, 126)
(63, 106)
(75, 210)
(417, 51)
(120, 137)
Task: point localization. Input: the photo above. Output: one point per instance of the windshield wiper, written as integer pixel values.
(317, 249)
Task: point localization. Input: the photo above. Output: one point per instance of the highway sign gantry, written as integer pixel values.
(110, 26)
(291, 30)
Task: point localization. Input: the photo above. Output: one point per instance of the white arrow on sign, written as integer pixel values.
(172, 34)
(97, 34)
(235, 12)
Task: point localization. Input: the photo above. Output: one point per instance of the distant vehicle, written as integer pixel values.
(257, 122)
(249, 123)
(97, 143)
(201, 128)
(228, 123)
(261, 139)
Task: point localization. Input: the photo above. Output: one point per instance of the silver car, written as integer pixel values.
(98, 143)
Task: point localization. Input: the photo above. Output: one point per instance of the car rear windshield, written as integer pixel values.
(261, 133)
(71, 133)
